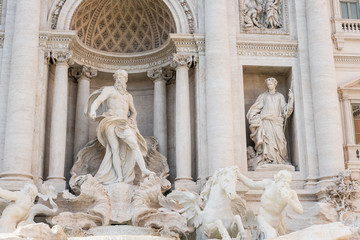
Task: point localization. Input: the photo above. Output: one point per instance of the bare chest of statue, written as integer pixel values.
(118, 104)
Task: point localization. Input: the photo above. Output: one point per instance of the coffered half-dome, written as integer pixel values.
(123, 26)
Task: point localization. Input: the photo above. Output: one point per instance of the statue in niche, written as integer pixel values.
(118, 132)
(266, 118)
(262, 14)
(277, 195)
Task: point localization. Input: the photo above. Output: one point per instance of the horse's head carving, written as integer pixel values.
(226, 178)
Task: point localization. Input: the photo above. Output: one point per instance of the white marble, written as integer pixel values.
(59, 121)
(160, 111)
(117, 132)
(220, 132)
(19, 208)
(326, 109)
(81, 135)
(212, 213)
(330, 231)
(183, 127)
(276, 196)
(267, 119)
(22, 93)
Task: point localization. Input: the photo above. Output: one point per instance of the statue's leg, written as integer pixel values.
(131, 141)
(266, 228)
(240, 227)
(217, 225)
(115, 150)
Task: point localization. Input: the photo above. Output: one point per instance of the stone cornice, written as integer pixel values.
(134, 62)
(56, 40)
(347, 58)
(267, 49)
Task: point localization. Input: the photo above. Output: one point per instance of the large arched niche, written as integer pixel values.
(136, 35)
(123, 26)
(182, 11)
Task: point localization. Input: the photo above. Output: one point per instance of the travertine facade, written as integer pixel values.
(195, 69)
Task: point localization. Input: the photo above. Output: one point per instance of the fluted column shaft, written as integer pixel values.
(220, 130)
(22, 91)
(160, 120)
(58, 122)
(328, 130)
(183, 127)
(81, 121)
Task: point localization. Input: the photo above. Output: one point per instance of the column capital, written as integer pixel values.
(155, 74)
(182, 60)
(62, 57)
(47, 56)
(164, 74)
(83, 72)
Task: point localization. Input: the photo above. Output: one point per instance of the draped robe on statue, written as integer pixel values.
(266, 118)
(123, 129)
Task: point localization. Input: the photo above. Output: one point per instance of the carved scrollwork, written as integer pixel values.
(181, 60)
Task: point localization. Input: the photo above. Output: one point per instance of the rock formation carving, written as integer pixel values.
(342, 194)
(217, 212)
(90, 208)
(153, 209)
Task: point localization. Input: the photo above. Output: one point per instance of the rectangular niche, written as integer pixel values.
(254, 85)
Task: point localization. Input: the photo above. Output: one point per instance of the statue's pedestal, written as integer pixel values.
(121, 232)
(274, 168)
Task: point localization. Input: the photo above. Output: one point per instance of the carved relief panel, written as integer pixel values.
(264, 16)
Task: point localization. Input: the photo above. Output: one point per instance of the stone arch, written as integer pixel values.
(62, 11)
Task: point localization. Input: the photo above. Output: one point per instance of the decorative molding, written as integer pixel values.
(56, 40)
(267, 49)
(189, 15)
(109, 62)
(56, 13)
(134, 62)
(347, 58)
(284, 30)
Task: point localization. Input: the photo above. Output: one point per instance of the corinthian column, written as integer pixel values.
(58, 121)
(183, 128)
(324, 90)
(21, 96)
(160, 78)
(83, 75)
(220, 132)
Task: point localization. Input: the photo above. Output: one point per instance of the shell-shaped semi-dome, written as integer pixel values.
(123, 26)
